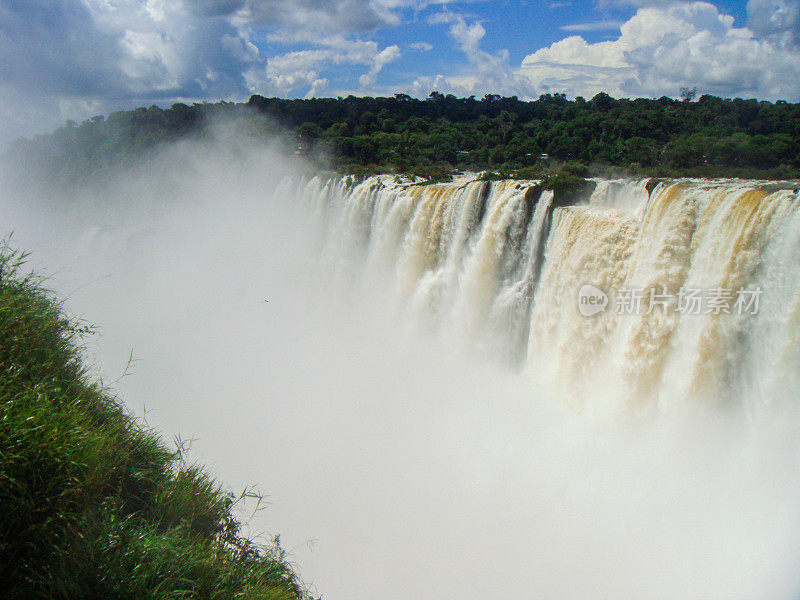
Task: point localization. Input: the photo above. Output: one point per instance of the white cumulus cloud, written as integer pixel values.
(485, 73)
(662, 49)
(383, 58)
(421, 46)
(286, 73)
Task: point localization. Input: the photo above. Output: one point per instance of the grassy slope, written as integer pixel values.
(92, 503)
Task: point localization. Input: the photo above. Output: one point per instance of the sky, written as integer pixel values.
(72, 59)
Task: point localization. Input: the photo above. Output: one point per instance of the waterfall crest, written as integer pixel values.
(499, 266)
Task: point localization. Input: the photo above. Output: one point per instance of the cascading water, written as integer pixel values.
(398, 366)
(499, 268)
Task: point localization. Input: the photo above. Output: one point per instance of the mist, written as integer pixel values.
(397, 463)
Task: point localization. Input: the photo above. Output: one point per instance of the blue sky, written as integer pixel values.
(71, 59)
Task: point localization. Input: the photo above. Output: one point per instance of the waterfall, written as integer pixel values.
(498, 268)
(468, 388)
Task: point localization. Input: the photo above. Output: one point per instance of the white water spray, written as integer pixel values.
(421, 396)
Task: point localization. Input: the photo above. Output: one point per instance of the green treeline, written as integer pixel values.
(94, 505)
(659, 137)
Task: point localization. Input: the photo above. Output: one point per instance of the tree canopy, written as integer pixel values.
(661, 137)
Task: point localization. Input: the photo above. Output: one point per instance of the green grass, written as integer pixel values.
(92, 503)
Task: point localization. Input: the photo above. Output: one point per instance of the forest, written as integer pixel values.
(431, 138)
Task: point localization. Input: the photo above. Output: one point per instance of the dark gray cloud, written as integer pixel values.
(65, 48)
(68, 59)
(775, 20)
(329, 16)
(75, 58)
(307, 17)
(55, 46)
(216, 8)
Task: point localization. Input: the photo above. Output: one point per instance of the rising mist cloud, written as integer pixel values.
(396, 464)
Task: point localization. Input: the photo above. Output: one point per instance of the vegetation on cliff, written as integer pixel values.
(94, 505)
